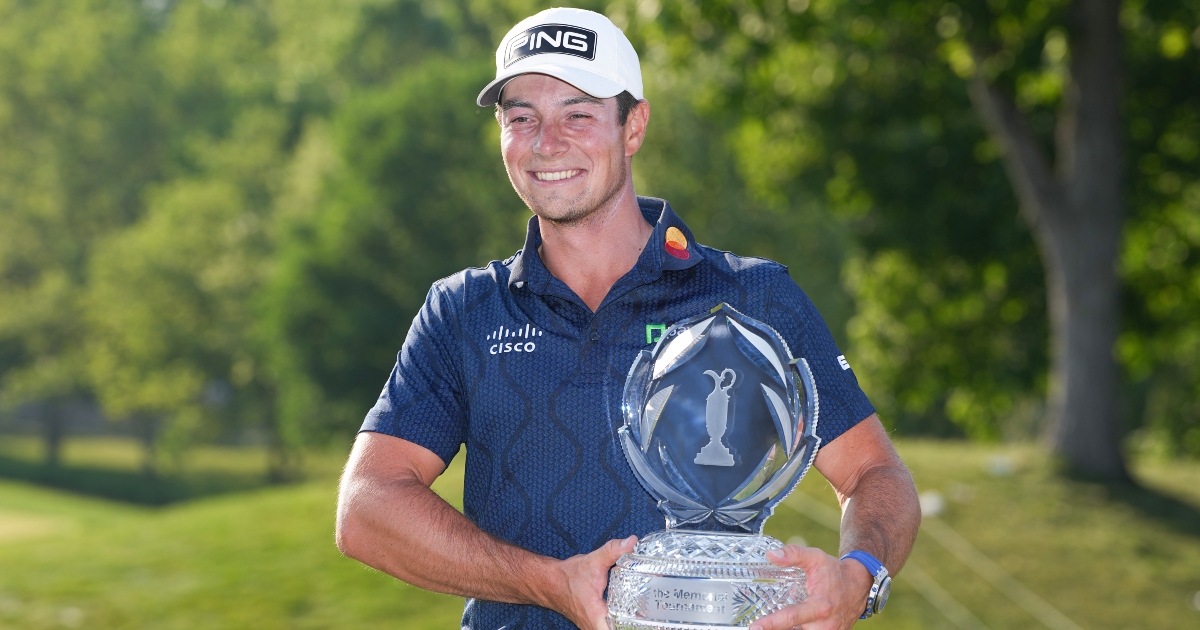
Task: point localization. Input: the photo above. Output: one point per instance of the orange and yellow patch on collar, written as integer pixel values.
(677, 244)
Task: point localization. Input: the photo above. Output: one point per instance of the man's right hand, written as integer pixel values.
(581, 598)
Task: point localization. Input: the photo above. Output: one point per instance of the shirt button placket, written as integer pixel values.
(592, 367)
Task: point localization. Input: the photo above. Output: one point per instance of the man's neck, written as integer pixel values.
(590, 256)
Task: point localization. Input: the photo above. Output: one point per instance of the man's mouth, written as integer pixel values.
(553, 176)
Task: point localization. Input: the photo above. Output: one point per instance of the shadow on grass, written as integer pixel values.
(1177, 514)
(128, 485)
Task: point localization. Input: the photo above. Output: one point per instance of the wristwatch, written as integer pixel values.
(880, 589)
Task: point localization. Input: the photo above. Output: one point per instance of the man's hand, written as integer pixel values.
(837, 591)
(586, 576)
(880, 515)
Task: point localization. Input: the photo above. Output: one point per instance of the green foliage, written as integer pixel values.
(1161, 258)
(835, 110)
(1160, 264)
(691, 158)
(170, 302)
(859, 110)
(408, 203)
(171, 298)
(79, 140)
(217, 214)
(955, 302)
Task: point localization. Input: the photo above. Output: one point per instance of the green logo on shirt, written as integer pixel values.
(654, 332)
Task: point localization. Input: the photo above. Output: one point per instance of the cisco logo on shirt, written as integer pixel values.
(513, 340)
(551, 38)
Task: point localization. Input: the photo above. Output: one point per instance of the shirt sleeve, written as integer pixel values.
(842, 402)
(423, 400)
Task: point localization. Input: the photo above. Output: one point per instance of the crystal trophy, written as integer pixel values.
(720, 425)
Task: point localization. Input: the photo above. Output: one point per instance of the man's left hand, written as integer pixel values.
(837, 591)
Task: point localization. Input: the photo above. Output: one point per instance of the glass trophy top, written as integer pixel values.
(720, 421)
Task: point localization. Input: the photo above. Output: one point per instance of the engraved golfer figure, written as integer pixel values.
(716, 416)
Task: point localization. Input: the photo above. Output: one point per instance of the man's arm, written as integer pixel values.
(880, 515)
(389, 519)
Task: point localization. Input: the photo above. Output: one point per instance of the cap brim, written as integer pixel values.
(587, 81)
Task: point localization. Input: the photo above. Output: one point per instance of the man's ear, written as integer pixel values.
(635, 127)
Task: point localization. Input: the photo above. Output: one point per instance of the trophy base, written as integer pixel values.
(688, 580)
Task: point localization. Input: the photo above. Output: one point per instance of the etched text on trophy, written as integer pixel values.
(676, 599)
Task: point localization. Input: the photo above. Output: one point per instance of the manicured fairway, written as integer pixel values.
(265, 558)
(259, 559)
(1103, 558)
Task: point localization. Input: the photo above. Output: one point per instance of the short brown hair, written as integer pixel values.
(625, 104)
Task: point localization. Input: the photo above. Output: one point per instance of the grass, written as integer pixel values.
(111, 468)
(1104, 557)
(264, 557)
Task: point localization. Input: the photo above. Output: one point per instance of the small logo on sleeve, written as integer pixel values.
(513, 340)
(677, 243)
(843, 362)
(551, 38)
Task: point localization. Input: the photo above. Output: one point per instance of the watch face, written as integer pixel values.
(885, 589)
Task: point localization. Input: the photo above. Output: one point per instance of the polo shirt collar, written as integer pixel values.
(671, 248)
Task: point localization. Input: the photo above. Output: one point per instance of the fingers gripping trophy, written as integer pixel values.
(720, 425)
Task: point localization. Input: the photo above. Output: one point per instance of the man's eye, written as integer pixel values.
(519, 119)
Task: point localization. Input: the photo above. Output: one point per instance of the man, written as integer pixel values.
(524, 362)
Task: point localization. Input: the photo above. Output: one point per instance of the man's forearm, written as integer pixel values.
(403, 528)
(881, 516)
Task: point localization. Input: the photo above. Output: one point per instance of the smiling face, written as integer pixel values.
(565, 152)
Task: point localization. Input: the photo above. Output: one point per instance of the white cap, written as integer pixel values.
(580, 47)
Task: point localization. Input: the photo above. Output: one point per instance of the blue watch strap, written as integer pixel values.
(873, 565)
(878, 574)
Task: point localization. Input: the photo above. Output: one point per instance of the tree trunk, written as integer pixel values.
(1087, 432)
(1076, 211)
(1083, 294)
(53, 429)
(147, 429)
(282, 461)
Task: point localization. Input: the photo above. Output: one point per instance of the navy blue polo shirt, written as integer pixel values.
(507, 360)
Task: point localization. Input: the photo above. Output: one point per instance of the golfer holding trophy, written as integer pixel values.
(633, 404)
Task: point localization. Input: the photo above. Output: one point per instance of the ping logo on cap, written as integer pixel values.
(563, 39)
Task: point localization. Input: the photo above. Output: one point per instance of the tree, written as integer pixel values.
(1075, 205)
(834, 114)
(842, 104)
(175, 299)
(415, 194)
(171, 300)
(224, 214)
(79, 138)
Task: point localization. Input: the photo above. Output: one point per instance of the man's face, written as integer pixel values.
(564, 150)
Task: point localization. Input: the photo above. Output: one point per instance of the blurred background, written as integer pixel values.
(218, 217)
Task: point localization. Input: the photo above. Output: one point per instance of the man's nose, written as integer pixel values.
(550, 141)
